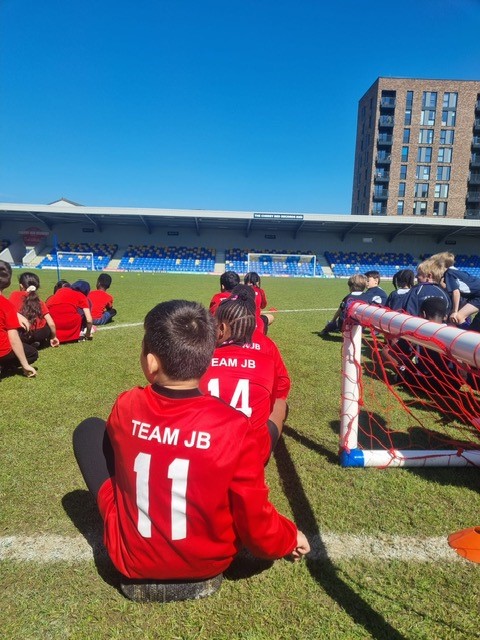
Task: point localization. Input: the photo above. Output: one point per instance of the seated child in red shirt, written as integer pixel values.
(42, 330)
(228, 281)
(13, 353)
(102, 302)
(70, 310)
(176, 474)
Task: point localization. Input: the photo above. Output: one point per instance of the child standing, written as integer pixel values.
(176, 474)
(102, 302)
(26, 301)
(13, 352)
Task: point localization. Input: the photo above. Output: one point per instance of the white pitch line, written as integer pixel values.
(138, 324)
(333, 547)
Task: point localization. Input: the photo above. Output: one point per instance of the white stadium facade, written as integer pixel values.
(33, 229)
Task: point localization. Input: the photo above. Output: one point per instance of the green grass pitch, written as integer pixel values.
(351, 592)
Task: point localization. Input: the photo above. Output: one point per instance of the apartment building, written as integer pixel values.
(418, 149)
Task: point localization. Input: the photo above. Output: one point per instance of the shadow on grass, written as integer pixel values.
(328, 337)
(82, 510)
(311, 444)
(325, 572)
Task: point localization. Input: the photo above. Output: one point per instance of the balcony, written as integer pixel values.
(381, 176)
(387, 103)
(473, 196)
(477, 105)
(476, 142)
(384, 158)
(475, 160)
(474, 178)
(389, 121)
(385, 140)
(476, 124)
(472, 213)
(380, 194)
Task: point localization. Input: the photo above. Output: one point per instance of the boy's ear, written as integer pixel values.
(153, 364)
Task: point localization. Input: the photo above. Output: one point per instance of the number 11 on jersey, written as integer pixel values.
(178, 474)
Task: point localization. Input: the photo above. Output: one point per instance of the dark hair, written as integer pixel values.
(5, 275)
(182, 335)
(434, 309)
(31, 307)
(252, 278)
(372, 274)
(81, 285)
(104, 280)
(239, 313)
(229, 279)
(60, 284)
(405, 278)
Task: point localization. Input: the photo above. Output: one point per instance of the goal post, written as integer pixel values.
(376, 411)
(283, 264)
(75, 260)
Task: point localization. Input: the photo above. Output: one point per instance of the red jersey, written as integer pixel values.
(64, 307)
(246, 377)
(8, 321)
(217, 299)
(188, 488)
(268, 346)
(260, 298)
(101, 301)
(17, 298)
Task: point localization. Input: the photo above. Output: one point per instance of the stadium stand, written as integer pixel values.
(168, 259)
(4, 244)
(387, 264)
(102, 254)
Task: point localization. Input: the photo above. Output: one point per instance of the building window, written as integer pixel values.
(425, 136)
(400, 204)
(422, 172)
(401, 189)
(419, 208)
(440, 208)
(406, 136)
(404, 154)
(429, 99)
(408, 117)
(409, 100)
(424, 154)
(421, 190)
(449, 118)
(443, 173)
(444, 154)
(450, 100)
(377, 208)
(441, 191)
(403, 172)
(447, 136)
(427, 117)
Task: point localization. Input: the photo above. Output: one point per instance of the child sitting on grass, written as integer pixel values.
(176, 474)
(102, 302)
(356, 285)
(42, 330)
(228, 281)
(13, 353)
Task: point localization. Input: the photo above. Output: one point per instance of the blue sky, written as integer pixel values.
(207, 104)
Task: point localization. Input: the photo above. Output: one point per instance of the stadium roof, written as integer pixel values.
(64, 211)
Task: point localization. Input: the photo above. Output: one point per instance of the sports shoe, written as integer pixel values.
(144, 591)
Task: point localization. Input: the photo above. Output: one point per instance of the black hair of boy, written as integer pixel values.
(404, 279)
(5, 275)
(238, 312)
(182, 335)
(252, 278)
(434, 309)
(372, 274)
(228, 280)
(104, 281)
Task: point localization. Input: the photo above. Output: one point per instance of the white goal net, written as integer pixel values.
(76, 260)
(286, 264)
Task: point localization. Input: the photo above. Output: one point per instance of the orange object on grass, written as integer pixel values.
(466, 543)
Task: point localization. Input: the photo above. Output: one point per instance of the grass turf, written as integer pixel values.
(42, 493)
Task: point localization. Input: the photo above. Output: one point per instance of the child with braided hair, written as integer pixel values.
(26, 301)
(247, 370)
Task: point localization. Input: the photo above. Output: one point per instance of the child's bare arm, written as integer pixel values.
(19, 351)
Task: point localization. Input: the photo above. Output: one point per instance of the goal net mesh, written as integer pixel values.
(76, 260)
(288, 265)
(410, 391)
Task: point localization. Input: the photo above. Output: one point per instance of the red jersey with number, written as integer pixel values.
(17, 298)
(8, 321)
(64, 307)
(217, 299)
(101, 301)
(245, 376)
(188, 488)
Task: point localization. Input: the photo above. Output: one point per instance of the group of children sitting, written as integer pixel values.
(28, 324)
(437, 277)
(177, 469)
